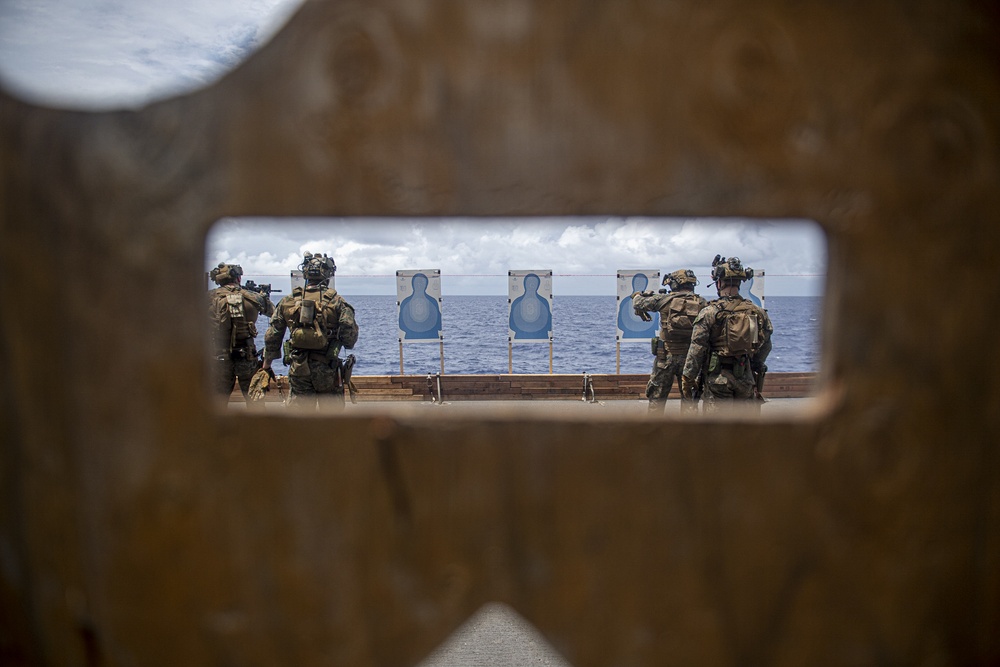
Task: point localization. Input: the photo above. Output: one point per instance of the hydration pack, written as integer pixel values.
(308, 321)
(233, 326)
(678, 322)
(737, 330)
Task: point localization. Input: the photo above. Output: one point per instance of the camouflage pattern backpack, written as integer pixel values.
(308, 319)
(678, 322)
(233, 320)
(737, 330)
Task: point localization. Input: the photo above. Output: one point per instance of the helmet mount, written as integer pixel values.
(226, 273)
(680, 278)
(730, 271)
(317, 268)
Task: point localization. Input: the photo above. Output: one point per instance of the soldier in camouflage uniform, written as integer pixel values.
(321, 324)
(730, 342)
(678, 309)
(234, 311)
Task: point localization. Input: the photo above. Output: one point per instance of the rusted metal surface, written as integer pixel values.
(138, 525)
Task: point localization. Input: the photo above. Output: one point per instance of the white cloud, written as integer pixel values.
(98, 55)
(474, 256)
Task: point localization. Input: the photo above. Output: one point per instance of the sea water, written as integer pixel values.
(584, 328)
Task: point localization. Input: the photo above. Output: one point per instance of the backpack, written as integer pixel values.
(308, 321)
(231, 321)
(737, 330)
(678, 322)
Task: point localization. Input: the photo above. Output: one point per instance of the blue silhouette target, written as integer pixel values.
(418, 295)
(754, 289)
(530, 298)
(631, 327)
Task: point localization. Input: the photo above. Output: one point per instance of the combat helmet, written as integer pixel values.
(317, 267)
(226, 273)
(730, 271)
(680, 277)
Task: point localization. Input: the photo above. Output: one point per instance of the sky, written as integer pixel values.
(474, 256)
(109, 54)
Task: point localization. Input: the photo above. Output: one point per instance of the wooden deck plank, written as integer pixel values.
(534, 387)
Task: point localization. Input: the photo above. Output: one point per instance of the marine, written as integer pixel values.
(233, 311)
(321, 324)
(730, 343)
(678, 309)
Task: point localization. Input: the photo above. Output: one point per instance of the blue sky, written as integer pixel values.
(110, 54)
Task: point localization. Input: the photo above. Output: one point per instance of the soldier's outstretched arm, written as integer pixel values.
(646, 302)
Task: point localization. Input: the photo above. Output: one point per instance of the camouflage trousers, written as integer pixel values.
(228, 371)
(723, 390)
(666, 372)
(313, 382)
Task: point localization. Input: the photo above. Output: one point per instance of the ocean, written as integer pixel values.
(475, 338)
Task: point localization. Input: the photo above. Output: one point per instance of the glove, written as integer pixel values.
(260, 383)
(687, 387)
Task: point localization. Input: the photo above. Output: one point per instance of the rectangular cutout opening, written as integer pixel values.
(537, 313)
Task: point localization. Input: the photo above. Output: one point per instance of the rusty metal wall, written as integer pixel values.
(139, 527)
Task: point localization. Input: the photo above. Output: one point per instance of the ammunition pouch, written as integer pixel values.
(738, 366)
(308, 338)
(243, 351)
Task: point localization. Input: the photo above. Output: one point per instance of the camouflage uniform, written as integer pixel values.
(235, 359)
(669, 360)
(313, 373)
(726, 378)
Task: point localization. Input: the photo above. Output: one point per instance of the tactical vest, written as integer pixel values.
(677, 323)
(308, 321)
(235, 320)
(736, 331)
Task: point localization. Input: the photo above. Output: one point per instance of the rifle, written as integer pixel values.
(346, 370)
(758, 378)
(263, 288)
(699, 387)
